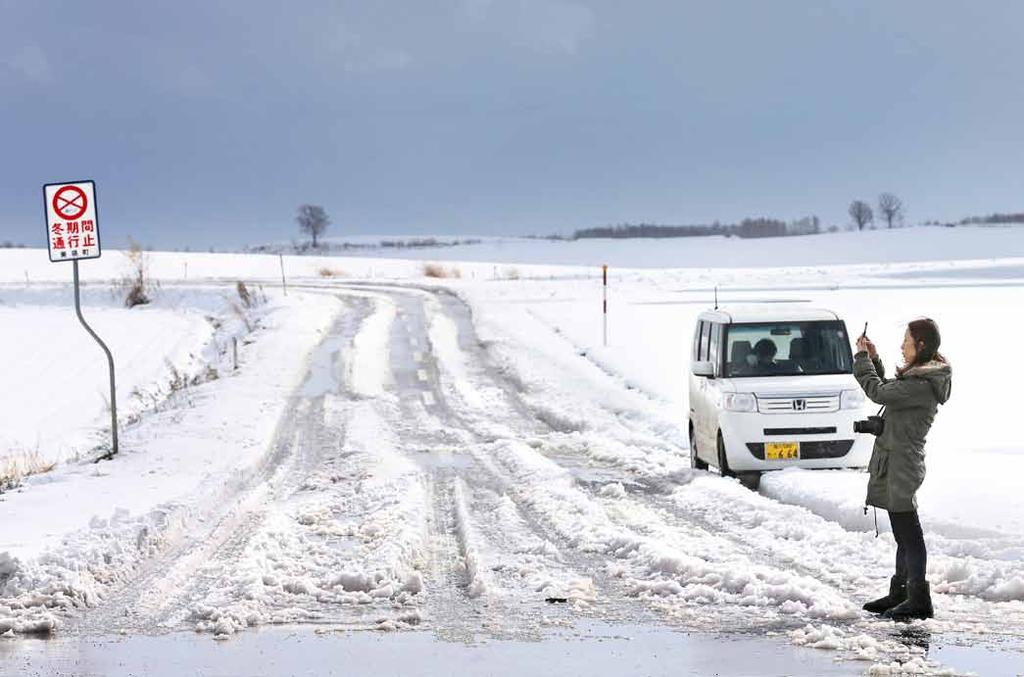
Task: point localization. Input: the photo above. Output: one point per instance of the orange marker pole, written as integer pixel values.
(604, 274)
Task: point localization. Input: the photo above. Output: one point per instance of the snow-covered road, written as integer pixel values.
(423, 477)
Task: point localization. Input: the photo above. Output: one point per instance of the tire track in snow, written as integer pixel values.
(602, 590)
(578, 468)
(478, 580)
(459, 603)
(547, 520)
(449, 581)
(152, 598)
(344, 545)
(475, 603)
(345, 549)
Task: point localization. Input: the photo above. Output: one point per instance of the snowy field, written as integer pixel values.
(462, 454)
(931, 243)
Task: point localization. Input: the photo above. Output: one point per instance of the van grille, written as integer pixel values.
(788, 432)
(811, 404)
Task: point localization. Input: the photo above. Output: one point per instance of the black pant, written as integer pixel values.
(911, 556)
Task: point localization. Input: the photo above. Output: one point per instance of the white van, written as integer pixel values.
(772, 387)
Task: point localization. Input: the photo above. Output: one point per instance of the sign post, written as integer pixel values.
(73, 233)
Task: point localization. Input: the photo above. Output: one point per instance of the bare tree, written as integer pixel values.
(861, 213)
(313, 221)
(890, 207)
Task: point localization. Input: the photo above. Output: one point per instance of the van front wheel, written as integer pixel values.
(723, 461)
(695, 461)
(751, 480)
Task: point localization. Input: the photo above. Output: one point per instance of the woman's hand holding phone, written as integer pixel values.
(864, 343)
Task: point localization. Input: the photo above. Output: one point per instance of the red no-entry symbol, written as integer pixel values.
(70, 202)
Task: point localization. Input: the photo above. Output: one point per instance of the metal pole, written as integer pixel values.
(284, 283)
(604, 274)
(110, 363)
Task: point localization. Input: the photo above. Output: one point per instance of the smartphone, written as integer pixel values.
(865, 329)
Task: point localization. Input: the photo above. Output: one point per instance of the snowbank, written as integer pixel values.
(61, 411)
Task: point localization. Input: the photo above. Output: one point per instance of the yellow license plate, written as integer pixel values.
(780, 451)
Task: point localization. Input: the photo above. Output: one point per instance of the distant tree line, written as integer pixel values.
(627, 230)
(7, 244)
(890, 209)
(427, 242)
(993, 218)
(747, 228)
(761, 227)
(329, 247)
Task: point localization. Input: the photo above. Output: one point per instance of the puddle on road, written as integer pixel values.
(326, 367)
(982, 660)
(593, 649)
(324, 375)
(436, 458)
(995, 658)
(594, 477)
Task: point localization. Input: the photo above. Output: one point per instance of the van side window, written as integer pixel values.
(705, 340)
(714, 352)
(696, 341)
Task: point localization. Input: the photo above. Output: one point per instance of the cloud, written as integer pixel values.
(559, 27)
(358, 55)
(30, 63)
(550, 27)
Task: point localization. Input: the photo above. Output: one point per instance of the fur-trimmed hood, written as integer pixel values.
(939, 374)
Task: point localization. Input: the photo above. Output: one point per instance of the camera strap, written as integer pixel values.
(876, 518)
(880, 410)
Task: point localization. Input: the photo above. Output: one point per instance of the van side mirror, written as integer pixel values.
(704, 368)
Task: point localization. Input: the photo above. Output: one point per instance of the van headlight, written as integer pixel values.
(738, 402)
(852, 399)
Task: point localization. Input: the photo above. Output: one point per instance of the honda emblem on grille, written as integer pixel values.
(799, 405)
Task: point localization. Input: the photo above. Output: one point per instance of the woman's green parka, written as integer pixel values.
(897, 462)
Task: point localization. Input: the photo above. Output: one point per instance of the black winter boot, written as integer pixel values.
(918, 604)
(897, 594)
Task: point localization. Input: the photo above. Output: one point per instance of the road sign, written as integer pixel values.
(73, 233)
(72, 229)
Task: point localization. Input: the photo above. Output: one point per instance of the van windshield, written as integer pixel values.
(787, 349)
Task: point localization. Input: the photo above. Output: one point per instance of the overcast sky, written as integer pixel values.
(208, 123)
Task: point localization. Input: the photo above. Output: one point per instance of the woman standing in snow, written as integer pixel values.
(897, 462)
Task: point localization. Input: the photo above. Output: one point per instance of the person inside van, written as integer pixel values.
(764, 354)
(896, 469)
